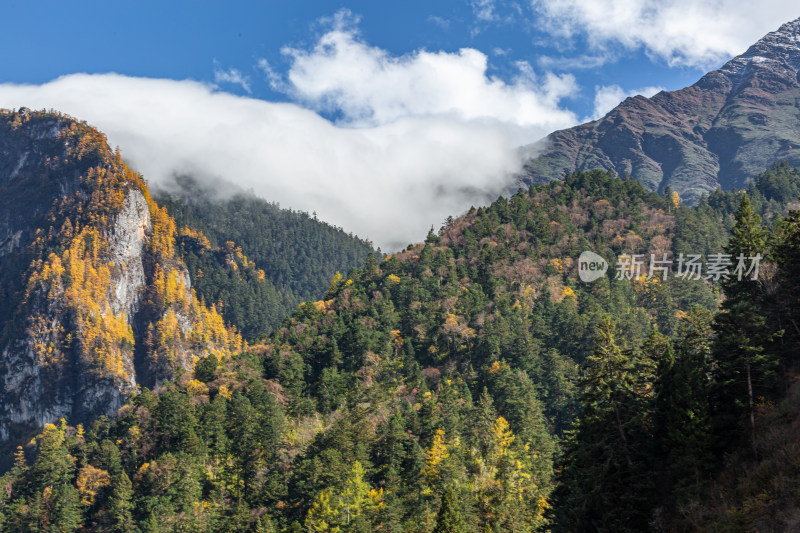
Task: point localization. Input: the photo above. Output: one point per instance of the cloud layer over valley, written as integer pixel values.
(384, 144)
(415, 138)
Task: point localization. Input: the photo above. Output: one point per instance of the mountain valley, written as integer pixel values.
(178, 359)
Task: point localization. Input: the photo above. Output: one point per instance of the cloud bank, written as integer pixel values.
(369, 87)
(693, 33)
(416, 138)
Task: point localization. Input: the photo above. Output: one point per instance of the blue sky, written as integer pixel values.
(191, 39)
(383, 117)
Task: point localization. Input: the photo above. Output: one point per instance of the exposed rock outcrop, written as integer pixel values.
(96, 303)
(720, 132)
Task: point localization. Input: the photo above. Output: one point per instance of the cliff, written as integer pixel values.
(96, 302)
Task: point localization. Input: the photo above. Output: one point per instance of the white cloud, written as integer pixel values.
(417, 137)
(367, 86)
(484, 10)
(505, 12)
(231, 75)
(694, 33)
(388, 182)
(607, 97)
(274, 79)
(579, 62)
(442, 22)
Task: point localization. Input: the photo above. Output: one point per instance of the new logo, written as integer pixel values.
(591, 266)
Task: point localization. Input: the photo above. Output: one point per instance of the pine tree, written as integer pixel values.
(324, 514)
(503, 436)
(605, 478)
(265, 525)
(205, 368)
(743, 367)
(53, 466)
(66, 509)
(684, 439)
(436, 461)
(121, 504)
(20, 464)
(787, 256)
(450, 519)
(355, 496)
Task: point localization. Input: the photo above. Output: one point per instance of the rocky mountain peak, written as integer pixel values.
(734, 123)
(778, 51)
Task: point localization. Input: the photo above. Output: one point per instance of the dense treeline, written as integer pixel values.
(657, 419)
(468, 383)
(235, 285)
(298, 253)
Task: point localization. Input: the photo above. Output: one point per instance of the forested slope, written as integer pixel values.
(468, 383)
(95, 301)
(297, 253)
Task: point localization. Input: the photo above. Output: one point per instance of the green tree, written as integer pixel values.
(787, 315)
(605, 478)
(66, 509)
(743, 367)
(205, 368)
(53, 466)
(450, 519)
(121, 504)
(683, 425)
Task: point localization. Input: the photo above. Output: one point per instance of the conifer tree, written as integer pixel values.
(743, 367)
(450, 519)
(121, 504)
(53, 466)
(683, 427)
(787, 256)
(65, 509)
(20, 464)
(605, 482)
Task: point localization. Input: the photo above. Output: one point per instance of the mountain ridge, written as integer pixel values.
(96, 301)
(452, 367)
(298, 253)
(719, 132)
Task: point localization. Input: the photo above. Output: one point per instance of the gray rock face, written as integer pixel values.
(127, 252)
(94, 300)
(10, 243)
(779, 51)
(720, 132)
(29, 396)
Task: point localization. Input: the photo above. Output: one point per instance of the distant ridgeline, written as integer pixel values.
(296, 253)
(720, 132)
(432, 390)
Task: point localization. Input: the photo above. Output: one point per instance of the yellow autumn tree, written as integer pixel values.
(19, 459)
(503, 436)
(568, 292)
(323, 515)
(358, 497)
(90, 481)
(397, 339)
(434, 459)
(336, 282)
(333, 510)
